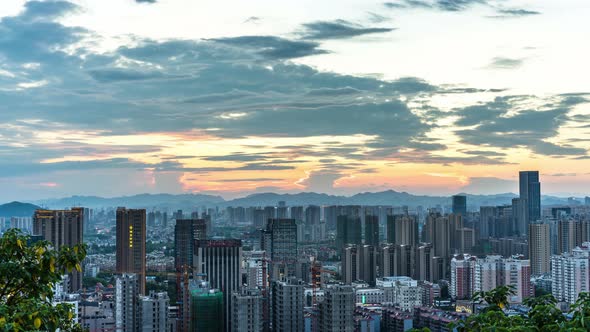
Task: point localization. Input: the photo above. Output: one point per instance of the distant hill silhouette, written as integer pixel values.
(146, 201)
(188, 202)
(17, 209)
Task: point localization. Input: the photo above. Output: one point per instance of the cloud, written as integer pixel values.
(113, 75)
(338, 29)
(502, 124)
(242, 157)
(274, 47)
(443, 5)
(377, 18)
(320, 181)
(506, 63)
(506, 13)
(561, 174)
(109, 106)
(253, 20)
(459, 6)
(47, 10)
(249, 180)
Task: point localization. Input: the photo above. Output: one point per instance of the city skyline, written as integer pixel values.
(118, 98)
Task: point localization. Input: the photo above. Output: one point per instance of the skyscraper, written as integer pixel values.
(359, 263)
(127, 303)
(438, 232)
(566, 238)
(287, 305)
(220, 261)
(519, 216)
(279, 240)
(460, 204)
(312, 222)
(530, 190)
(397, 260)
(348, 230)
(185, 232)
(372, 230)
(154, 312)
(131, 233)
(402, 229)
(487, 219)
(247, 308)
(336, 311)
(569, 274)
(62, 228)
(207, 307)
(539, 248)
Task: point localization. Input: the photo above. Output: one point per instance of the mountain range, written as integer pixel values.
(189, 201)
(17, 209)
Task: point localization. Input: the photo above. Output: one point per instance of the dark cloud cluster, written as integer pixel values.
(274, 47)
(501, 124)
(241, 87)
(338, 29)
(459, 6)
(506, 63)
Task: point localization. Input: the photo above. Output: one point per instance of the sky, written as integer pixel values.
(120, 97)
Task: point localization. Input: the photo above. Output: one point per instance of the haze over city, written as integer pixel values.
(116, 97)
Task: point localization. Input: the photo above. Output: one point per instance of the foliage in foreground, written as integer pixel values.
(543, 315)
(28, 274)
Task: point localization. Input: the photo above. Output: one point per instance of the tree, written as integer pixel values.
(28, 275)
(543, 315)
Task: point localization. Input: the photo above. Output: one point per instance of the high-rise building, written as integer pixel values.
(258, 218)
(569, 274)
(207, 307)
(372, 230)
(279, 240)
(359, 263)
(336, 311)
(220, 261)
(282, 210)
(127, 303)
(519, 216)
(460, 205)
(296, 212)
(62, 228)
(247, 307)
(348, 230)
(566, 238)
(470, 274)
(516, 273)
(401, 291)
(287, 305)
(424, 263)
(312, 223)
(186, 231)
(530, 190)
(462, 276)
(269, 213)
(330, 215)
(438, 231)
(131, 234)
(397, 260)
(487, 219)
(539, 248)
(402, 229)
(154, 312)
